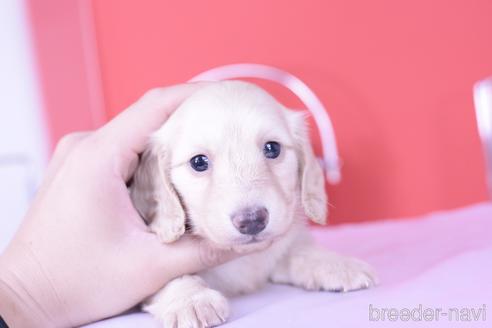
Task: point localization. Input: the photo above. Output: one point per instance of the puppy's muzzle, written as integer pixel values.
(250, 220)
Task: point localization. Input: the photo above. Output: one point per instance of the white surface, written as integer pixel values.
(443, 260)
(23, 143)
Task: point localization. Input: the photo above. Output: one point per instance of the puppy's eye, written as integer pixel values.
(199, 163)
(271, 149)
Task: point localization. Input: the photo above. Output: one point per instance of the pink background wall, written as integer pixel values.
(396, 77)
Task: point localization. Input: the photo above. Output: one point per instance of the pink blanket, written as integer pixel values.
(435, 271)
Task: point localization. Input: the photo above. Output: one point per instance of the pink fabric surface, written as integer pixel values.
(439, 261)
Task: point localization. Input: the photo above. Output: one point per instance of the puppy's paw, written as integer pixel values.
(189, 304)
(168, 230)
(340, 274)
(320, 270)
(206, 308)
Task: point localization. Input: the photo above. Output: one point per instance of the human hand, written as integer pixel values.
(82, 252)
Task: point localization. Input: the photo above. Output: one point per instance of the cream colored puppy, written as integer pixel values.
(234, 166)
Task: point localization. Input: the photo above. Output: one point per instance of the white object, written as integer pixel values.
(482, 96)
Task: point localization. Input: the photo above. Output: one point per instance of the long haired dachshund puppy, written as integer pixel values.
(234, 166)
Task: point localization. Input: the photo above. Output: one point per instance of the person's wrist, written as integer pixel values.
(11, 311)
(26, 297)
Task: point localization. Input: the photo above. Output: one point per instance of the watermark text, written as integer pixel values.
(422, 313)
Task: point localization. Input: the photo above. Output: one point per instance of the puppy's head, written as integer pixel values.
(236, 163)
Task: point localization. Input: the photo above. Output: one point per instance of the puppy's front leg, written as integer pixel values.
(188, 302)
(314, 268)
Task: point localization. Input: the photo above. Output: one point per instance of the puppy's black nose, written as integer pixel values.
(250, 220)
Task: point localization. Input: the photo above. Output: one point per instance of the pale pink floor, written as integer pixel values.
(442, 260)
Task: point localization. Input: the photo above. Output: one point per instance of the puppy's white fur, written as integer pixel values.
(230, 122)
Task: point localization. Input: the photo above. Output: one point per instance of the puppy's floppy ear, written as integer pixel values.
(313, 194)
(154, 196)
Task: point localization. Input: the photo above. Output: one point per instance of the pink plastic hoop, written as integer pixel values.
(331, 160)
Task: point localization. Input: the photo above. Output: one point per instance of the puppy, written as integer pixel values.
(236, 167)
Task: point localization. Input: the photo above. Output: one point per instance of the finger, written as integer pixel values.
(132, 127)
(191, 254)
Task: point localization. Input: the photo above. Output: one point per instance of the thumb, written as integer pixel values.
(197, 254)
(191, 254)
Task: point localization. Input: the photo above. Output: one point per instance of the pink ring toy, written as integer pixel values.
(331, 160)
